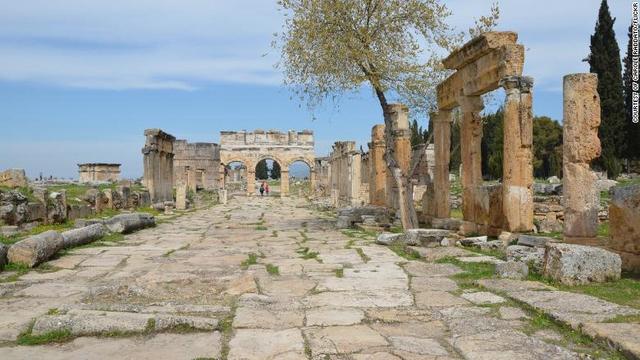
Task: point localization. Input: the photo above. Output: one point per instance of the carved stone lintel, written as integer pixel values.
(471, 104)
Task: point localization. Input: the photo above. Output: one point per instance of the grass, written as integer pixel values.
(456, 213)
(252, 259)
(20, 269)
(56, 336)
(472, 271)
(603, 229)
(339, 273)
(404, 251)
(261, 228)
(363, 256)
(24, 190)
(306, 254)
(274, 233)
(272, 269)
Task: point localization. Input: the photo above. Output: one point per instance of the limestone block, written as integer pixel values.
(573, 264)
(581, 118)
(84, 235)
(528, 255)
(624, 224)
(388, 238)
(36, 249)
(425, 237)
(13, 178)
(512, 270)
(126, 223)
(581, 201)
(447, 224)
(534, 241)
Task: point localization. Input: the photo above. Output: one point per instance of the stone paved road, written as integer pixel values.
(336, 296)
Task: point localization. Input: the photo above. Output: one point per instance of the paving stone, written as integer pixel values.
(624, 336)
(248, 344)
(480, 259)
(427, 299)
(418, 345)
(264, 319)
(342, 339)
(512, 313)
(483, 298)
(330, 316)
(433, 284)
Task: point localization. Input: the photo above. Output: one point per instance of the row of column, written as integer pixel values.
(158, 164)
(517, 182)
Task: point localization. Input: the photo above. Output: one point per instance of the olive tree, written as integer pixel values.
(330, 47)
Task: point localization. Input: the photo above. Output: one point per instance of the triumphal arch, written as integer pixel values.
(285, 148)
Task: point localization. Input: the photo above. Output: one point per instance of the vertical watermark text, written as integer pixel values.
(635, 65)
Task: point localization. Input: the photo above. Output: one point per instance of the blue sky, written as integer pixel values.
(81, 80)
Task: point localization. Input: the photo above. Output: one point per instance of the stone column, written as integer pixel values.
(251, 180)
(401, 141)
(284, 182)
(191, 179)
(517, 163)
(312, 181)
(442, 143)
(580, 146)
(378, 167)
(158, 164)
(181, 197)
(471, 154)
(354, 166)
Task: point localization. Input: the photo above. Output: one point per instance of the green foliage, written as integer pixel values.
(339, 273)
(491, 144)
(262, 171)
(274, 173)
(272, 269)
(418, 135)
(252, 259)
(604, 60)
(402, 250)
(547, 147)
(332, 47)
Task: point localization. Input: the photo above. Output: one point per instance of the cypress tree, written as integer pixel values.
(261, 170)
(633, 130)
(275, 170)
(605, 61)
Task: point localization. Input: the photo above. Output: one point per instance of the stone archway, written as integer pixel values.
(250, 147)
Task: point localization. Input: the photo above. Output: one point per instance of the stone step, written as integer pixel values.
(93, 322)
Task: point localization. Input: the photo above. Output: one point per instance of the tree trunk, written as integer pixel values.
(406, 207)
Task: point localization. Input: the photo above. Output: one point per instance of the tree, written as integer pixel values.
(418, 135)
(604, 60)
(547, 147)
(262, 172)
(491, 145)
(336, 46)
(275, 170)
(633, 129)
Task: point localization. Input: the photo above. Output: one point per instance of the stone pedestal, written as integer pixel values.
(580, 146)
(517, 180)
(471, 153)
(378, 167)
(442, 142)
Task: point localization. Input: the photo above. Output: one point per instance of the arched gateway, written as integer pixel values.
(284, 148)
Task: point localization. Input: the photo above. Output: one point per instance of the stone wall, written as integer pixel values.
(624, 225)
(251, 147)
(158, 164)
(323, 177)
(196, 165)
(98, 172)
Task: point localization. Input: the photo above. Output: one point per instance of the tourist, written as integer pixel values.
(262, 189)
(266, 188)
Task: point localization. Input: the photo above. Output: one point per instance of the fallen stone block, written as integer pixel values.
(624, 225)
(13, 178)
(388, 238)
(490, 245)
(573, 264)
(526, 254)
(425, 237)
(534, 241)
(512, 270)
(469, 241)
(36, 249)
(84, 235)
(126, 223)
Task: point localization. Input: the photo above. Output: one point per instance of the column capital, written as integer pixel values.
(440, 116)
(471, 104)
(522, 83)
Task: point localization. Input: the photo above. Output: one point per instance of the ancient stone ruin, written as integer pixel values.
(251, 147)
(484, 64)
(158, 164)
(98, 172)
(197, 165)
